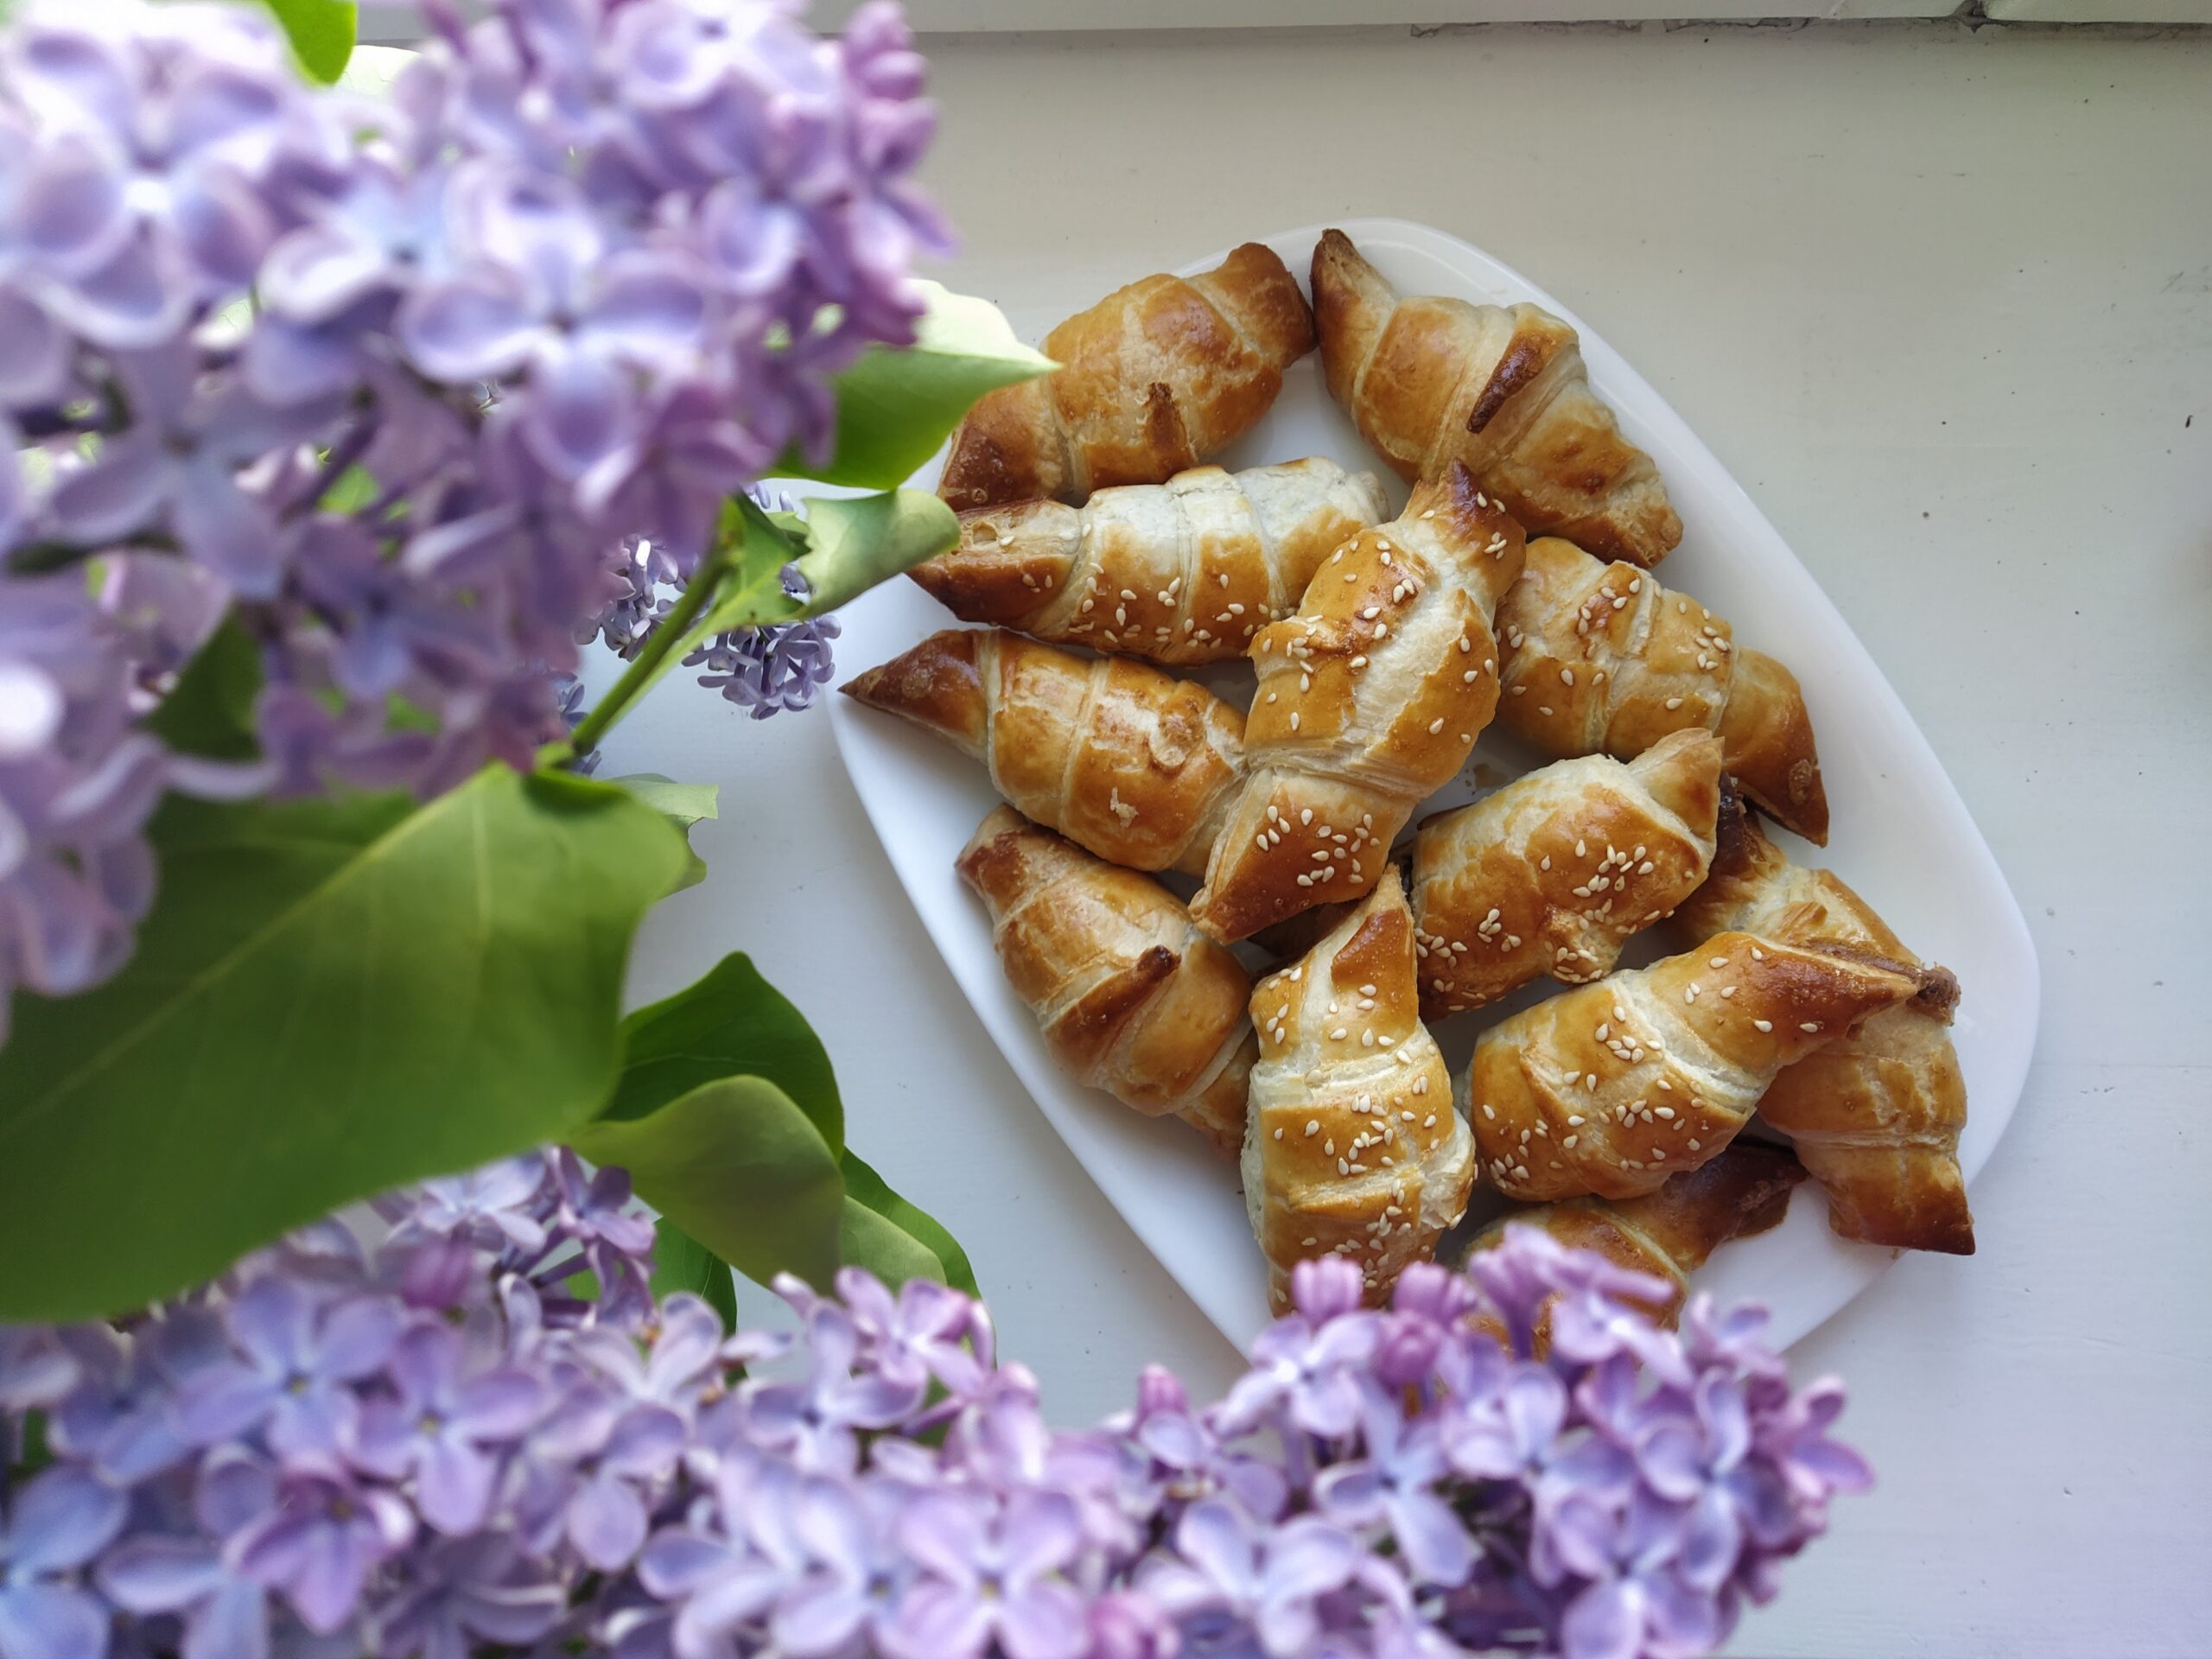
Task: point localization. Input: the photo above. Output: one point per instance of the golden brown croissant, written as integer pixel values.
(1131, 998)
(1134, 765)
(1353, 1148)
(1613, 1087)
(1876, 1114)
(1369, 701)
(1552, 875)
(1184, 572)
(1154, 378)
(1601, 659)
(1502, 390)
(1672, 1232)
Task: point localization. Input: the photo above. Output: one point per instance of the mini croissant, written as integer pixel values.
(1613, 1087)
(1131, 998)
(1369, 701)
(1601, 659)
(1672, 1232)
(1134, 765)
(1353, 1148)
(1551, 875)
(1501, 390)
(1183, 572)
(1876, 1114)
(1153, 378)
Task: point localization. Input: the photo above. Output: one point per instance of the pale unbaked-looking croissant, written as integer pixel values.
(1552, 873)
(1502, 390)
(1672, 1232)
(1876, 1114)
(1601, 659)
(1184, 572)
(1131, 998)
(1154, 378)
(1134, 765)
(1369, 701)
(1352, 1148)
(1613, 1087)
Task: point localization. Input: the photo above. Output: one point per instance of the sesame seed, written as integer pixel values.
(1674, 702)
(1763, 1025)
(1313, 1127)
(1436, 726)
(1278, 1136)
(1566, 676)
(1293, 719)
(1809, 1025)
(1337, 1035)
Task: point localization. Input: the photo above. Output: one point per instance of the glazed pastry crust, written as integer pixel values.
(1153, 378)
(1128, 762)
(1552, 875)
(1613, 1087)
(1183, 573)
(1352, 1148)
(1500, 390)
(1602, 659)
(1369, 701)
(1876, 1116)
(1131, 998)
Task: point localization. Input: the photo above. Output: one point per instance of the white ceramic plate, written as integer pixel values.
(1900, 834)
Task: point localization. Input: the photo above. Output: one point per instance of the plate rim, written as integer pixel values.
(1021, 1045)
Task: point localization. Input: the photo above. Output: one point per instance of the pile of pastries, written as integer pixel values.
(1100, 555)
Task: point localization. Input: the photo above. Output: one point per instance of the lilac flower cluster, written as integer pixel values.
(395, 380)
(450, 1444)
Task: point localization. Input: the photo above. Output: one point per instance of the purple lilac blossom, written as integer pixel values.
(438, 1447)
(585, 274)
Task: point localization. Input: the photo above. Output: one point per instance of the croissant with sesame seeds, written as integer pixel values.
(1672, 1232)
(1502, 389)
(1131, 998)
(1615, 1086)
(1601, 659)
(1351, 1147)
(1876, 1114)
(1154, 378)
(1131, 764)
(1369, 701)
(1553, 872)
(1184, 572)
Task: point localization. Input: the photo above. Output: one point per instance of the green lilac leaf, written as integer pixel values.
(727, 1023)
(330, 998)
(322, 33)
(852, 544)
(739, 1168)
(884, 1234)
(682, 1262)
(896, 405)
(209, 711)
(683, 805)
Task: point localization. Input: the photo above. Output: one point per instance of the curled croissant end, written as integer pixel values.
(1672, 1232)
(1876, 1116)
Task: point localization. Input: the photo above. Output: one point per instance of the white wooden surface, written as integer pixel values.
(1943, 300)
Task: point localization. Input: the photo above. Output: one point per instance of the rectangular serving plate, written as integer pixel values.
(1900, 835)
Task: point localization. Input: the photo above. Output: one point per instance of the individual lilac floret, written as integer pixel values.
(477, 1437)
